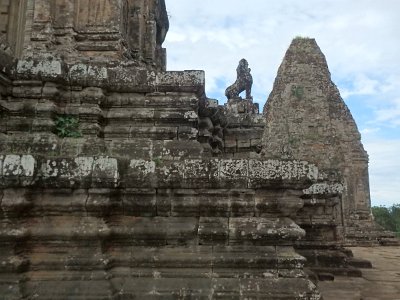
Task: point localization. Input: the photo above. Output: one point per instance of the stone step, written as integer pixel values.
(153, 231)
(349, 271)
(168, 288)
(221, 288)
(148, 202)
(324, 258)
(389, 241)
(168, 261)
(360, 263)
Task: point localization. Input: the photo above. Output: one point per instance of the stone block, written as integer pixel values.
(213, 231)
(50, 90)
(187, 133)
(15, 202)
(215, 203)
(243, 144)
(57, 202)
(18, 170)
(10, 287)
(177, 150)
(16, 124)
(118, 100)
(139, 202)
(163, 199)
(263, 231)
(140, 149)
(242, 203)
(196, 173)
(185, 203)
(47, 67)
(170, 174)
(288, 259)
(112, 132)
(87, 75)
(61, 289)
(172, 257)
(105, 172)
(141, 173)
(175, 116)
(43, 125)
(287, 173)
(98, 202)
(233, 172)
(154, 133)
(155, 231)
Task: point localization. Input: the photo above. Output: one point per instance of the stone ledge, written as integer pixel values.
(104, 171)
(164, 288)
(125, 77)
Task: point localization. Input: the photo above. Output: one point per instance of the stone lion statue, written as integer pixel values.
(243, 82)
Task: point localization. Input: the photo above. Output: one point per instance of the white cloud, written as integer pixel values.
(384, 170)
(366, 131)
(359, 38)
(391, 114)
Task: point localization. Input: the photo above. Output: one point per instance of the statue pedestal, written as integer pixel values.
(242, 106)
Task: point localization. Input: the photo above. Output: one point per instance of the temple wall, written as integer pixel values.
(103, 30)
(12, 23)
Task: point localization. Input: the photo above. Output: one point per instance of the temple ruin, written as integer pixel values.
(121, 180)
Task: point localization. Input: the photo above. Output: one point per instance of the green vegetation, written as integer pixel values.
(388, 217)
(298, 91)
(67, 126)
(157, 161)
(292, 140)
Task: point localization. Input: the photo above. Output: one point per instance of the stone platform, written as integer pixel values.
(381, 282)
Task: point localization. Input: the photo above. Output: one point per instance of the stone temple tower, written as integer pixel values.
(307, 119)
(98, 30)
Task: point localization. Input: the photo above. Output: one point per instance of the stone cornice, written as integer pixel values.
(122, 77)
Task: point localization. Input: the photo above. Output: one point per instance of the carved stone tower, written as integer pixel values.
(308, 120)
(100, 30)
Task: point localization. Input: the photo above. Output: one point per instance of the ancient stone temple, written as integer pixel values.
(121, 180)
(306, 119)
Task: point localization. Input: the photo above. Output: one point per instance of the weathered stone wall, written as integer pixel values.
(230, 130)
(105, 227)
(136, 207)
(159, 192)
(100, 30)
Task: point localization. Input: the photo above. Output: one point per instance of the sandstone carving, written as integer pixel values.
(244, 81)
(156, 191)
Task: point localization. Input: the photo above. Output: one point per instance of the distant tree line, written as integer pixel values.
(388, 217)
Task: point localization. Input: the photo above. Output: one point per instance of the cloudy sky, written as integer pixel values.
(360, 39)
